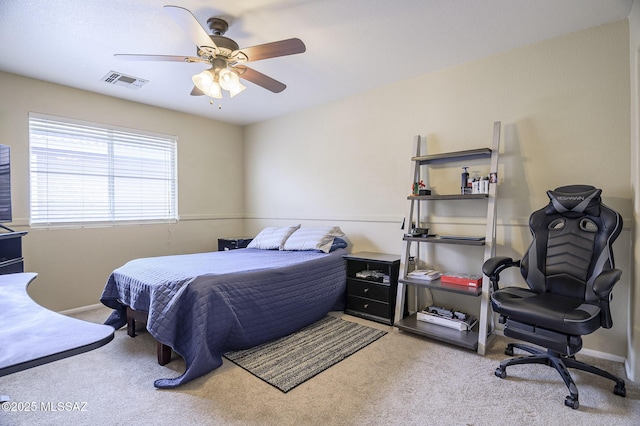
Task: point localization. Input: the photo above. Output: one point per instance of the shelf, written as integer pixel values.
(419, 250)
(439, 285)
(465, 339)
(448, 240)
(11, 260)
(365, 281)
(8, 235)
(367, 256)
(449, 197)
(470, 154)
(370, 317)
(7, 262)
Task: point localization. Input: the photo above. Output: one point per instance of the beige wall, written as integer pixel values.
(74, 264)
(564, 108)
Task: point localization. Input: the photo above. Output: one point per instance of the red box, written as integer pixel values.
(462, 279)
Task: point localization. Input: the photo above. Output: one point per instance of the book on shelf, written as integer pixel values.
(447, 318)
(469, 280)
(424, 274)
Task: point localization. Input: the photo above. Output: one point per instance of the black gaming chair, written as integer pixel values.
(570, 272)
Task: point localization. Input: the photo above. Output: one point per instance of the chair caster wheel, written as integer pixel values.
(509, 351)
(620, 389)
(501, 372)
(571, 402)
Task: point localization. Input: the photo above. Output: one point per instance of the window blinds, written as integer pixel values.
(84, 173)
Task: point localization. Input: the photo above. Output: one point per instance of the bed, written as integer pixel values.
(205, 304)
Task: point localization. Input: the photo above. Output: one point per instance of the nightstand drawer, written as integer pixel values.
(370, 290)
(367, 306)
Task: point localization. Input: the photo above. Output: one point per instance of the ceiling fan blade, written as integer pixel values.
(169, 58)
(260, 79)
(272, 50)
(192, 27)
(196, 92)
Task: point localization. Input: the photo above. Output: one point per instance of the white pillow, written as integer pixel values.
(272, 237)
(313, 238)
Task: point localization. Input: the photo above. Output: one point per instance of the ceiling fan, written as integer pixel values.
(224, 56)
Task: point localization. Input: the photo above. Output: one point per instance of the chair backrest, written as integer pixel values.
(572, 243)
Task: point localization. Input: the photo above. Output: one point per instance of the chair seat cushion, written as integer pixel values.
(550, 311)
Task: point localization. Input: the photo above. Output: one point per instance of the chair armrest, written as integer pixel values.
(493, 266)
(490, 266)
(604, 282)
(602, 286)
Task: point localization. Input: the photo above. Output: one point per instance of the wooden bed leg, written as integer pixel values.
(164, 354)
(163, 351)
(131, 327)
(131, 323)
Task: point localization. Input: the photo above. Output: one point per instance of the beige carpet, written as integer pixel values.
(400, 379)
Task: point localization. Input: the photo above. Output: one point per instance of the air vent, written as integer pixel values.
(119, 79)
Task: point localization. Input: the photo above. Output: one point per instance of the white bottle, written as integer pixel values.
(485, 185)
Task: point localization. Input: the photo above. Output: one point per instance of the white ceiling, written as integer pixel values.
(352, 45)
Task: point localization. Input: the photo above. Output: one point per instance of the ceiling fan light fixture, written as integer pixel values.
(228, 79)
(205, 81)
(215, 91)
(237, 89)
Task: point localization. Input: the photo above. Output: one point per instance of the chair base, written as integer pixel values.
(561, 363)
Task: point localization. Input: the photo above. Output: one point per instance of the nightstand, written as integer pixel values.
(233, 243)
(367, 296)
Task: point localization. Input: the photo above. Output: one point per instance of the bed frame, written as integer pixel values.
(164, 351)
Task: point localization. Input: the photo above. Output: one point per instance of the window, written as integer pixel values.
(84, 173)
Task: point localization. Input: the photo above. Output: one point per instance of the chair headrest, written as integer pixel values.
(574, 200)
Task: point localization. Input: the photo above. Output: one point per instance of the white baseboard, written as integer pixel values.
(588, 352)
(603, 355)
(81, 309)
(628, 367)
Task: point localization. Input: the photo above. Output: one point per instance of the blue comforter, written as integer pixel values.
(203, 305)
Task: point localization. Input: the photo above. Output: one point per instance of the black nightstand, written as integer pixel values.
(233, 243)
(366, 297)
